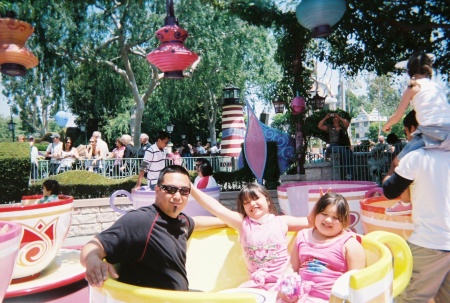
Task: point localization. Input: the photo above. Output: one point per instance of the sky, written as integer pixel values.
(5, 109)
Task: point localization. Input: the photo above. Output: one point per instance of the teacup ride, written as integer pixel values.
(373, 217)
(299, 198)
(216, 266)
(144, 197)
(9, 248)
(41, 263)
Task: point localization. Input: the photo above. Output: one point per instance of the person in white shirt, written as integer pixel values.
(204, 178)
(214, 150)
(34, 153)
(154, 161)
(102, 145)
(200, 149)
(53, 151)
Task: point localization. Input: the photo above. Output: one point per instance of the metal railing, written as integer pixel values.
(346, 165)
(360, 166)
(127, 167)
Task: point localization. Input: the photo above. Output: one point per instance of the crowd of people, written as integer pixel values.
(63, 155)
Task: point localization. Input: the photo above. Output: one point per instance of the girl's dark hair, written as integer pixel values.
(250, 192)
(65, 142)
(206, 169)
(420, 63)
(342, 207)
(52, 186)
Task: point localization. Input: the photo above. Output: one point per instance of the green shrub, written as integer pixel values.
(15, 168)
(82, 184)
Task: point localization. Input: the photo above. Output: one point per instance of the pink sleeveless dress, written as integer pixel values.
(321, 264)
(265, 250)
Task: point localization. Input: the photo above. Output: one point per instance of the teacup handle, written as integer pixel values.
(376, 190)
(115, 194)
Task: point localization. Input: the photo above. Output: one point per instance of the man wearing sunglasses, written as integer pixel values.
(150, 242)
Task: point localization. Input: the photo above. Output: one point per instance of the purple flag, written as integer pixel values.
(255, 145)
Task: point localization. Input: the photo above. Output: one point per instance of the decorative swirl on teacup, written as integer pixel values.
(33, 253)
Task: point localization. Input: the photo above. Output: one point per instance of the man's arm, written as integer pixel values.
(395, 185)
(145, 165)
(139, 180)
(91, 258)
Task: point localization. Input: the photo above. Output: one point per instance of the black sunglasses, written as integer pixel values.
(184, 191)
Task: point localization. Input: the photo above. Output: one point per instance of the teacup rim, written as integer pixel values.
(63, 199)
(13, 232)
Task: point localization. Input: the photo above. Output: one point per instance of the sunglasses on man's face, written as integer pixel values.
(184, 191)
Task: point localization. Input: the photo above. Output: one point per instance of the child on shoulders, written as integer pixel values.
(432, 112)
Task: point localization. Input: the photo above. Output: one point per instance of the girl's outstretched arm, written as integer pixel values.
(407, 95)
(231, 218)
(297, 223)
(354, 254)
(207, 222)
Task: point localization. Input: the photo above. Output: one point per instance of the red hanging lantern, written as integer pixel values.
(298, 105)
(172, 57)
(15, 58)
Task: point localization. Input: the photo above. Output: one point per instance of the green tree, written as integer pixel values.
(355, 103)
(279, 121)
(382, 94)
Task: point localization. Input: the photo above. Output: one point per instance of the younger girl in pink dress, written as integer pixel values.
(323, 253)
(262, 234)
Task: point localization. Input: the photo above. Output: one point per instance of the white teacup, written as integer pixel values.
(299, 198)
(9, 248)
(374, 218)
(144, 197)
(45, 226)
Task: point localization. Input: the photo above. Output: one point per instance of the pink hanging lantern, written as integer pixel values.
(172, 57)
(15, 58)
(298, 105)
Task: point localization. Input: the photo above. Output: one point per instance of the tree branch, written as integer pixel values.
(106, 44)
(156, 78)
(137, 53)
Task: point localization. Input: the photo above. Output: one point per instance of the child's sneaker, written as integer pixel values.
(399, 208)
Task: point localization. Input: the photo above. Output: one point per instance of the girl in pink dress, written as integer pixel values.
(262, 233)
(323, 253)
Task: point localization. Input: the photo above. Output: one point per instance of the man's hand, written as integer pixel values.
(91, 258)
(97, 272)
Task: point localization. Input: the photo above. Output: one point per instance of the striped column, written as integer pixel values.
(233, 130)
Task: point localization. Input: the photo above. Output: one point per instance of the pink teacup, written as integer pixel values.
(9, 247)
(45, 226)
